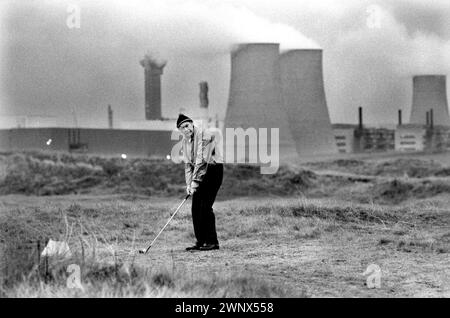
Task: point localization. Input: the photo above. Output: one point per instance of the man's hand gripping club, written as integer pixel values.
(190, 189)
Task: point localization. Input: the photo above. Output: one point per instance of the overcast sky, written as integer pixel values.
(371, 51)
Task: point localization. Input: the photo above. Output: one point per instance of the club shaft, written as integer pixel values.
(170, 219)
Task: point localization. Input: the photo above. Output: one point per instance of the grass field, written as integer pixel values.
(309, 231)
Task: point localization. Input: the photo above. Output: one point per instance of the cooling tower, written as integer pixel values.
(429, 93)
(254, 99)
(303, 97)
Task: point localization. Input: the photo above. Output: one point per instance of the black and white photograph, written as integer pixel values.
(224, 154)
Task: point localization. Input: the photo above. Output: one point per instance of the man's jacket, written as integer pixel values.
(198, 152)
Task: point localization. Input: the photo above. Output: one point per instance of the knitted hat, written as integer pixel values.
(181, 119)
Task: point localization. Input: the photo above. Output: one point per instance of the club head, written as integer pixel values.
(142, 251)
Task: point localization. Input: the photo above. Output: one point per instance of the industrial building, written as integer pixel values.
(415, 137)
(429, 124)
(268, 89)
(109, 142)
(150, 137)
(344, 136)
(410, 137)
(352, 138)
(427, 130)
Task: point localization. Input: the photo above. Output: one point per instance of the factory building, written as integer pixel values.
(109, 142)
(429, 125)
(344, 137)
(424, 132)
(268, 90)
(410, 137)
(414, 137)
(350, 138)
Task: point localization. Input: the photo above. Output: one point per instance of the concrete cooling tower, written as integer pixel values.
(429, 93)
(303, 97)
(254, 99)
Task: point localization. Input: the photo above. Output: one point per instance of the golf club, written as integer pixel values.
(144, 251)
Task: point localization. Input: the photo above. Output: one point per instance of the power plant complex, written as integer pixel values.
(285, 91)
(268, 90)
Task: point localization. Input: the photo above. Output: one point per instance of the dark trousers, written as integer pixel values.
(203, 216)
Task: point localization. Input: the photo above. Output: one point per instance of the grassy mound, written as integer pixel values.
(396, 191)
(413, 168)
(40, 173)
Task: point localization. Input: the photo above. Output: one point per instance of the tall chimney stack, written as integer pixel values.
(153, 70)
(431, 119)
(360, 122)
(110, 117)
(204, 102)
(399, 117)
(203, 94)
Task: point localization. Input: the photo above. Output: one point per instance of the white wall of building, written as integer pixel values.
(344, 138)
(410, 138)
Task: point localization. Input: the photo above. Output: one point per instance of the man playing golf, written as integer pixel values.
(204, 173)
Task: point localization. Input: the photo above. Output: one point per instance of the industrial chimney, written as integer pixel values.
(203, 94)
(304, 100)
(110, 117)
(431, 119)
(204, 101)
(255, 96)
(360, 118)
(153, 70)
(429, 93)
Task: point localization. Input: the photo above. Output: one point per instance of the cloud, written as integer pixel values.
(54, 69)
(372, 48)
(379, 65)
(51, 68)
(423, 16)
(194, 27)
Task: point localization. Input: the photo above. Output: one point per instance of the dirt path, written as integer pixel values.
(317, 268)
